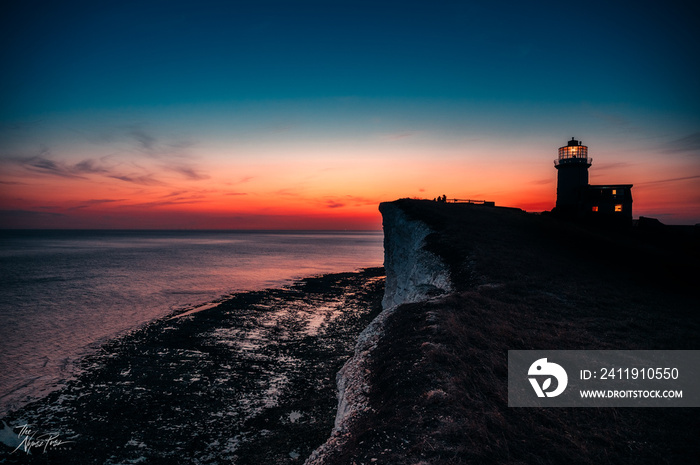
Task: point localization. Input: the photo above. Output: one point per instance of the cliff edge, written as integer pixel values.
(413, 274)
(466, 283)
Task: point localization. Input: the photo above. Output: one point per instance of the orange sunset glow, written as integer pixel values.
(337, 188)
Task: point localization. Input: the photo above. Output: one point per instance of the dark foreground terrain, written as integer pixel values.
(523, 281)
(251, 381)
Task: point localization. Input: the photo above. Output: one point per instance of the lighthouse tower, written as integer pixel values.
(572, 177)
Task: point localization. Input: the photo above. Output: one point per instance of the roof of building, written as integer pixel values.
(610, 186)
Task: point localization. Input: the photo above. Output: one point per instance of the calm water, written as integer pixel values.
(63, 293)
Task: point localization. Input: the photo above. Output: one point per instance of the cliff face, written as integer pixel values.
(413, 274)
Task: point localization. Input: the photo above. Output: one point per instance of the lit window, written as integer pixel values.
(618, 208)
(595, 208)
(614, 191)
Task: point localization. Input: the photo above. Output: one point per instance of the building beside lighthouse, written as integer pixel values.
(576, 199)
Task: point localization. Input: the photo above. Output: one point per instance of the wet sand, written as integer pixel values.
(249, 381)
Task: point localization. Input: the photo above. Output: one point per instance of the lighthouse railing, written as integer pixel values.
(565, 161)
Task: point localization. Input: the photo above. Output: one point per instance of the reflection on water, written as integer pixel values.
(251, 381)
(64, 292)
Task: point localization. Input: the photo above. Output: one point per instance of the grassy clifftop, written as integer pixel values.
(523, 281)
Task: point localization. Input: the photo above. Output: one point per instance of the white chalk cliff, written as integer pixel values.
(413, 274)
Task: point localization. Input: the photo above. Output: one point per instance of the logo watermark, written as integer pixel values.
(549, 370)
(604, 378)
(28, 440)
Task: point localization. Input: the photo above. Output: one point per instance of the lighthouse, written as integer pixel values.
(576, 199)
(572, 177)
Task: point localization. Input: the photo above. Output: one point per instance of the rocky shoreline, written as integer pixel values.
(250, 381)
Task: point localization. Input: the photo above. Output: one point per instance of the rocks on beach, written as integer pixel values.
(251, 380)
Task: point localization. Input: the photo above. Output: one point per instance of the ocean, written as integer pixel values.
(65, 293)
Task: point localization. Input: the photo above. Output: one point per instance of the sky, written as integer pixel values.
(306, 115)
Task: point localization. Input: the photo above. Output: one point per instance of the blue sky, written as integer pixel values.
(402, 80)
(94, 55)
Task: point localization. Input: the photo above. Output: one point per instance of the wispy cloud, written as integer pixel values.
(360, 201)
(288, 192)
(689, 144)
(98, 201)
(242, 180)
(173, 194)
(144, 180)
(90, 166)
(138, 137)
(175, 201)
(187, 172)
(661, 181)
(236, 193)
(609, 166)
(92, 202)
(348, 200)
(144, 140)
(43, 164)
(541, 182)
(147, 142)
(18, 214)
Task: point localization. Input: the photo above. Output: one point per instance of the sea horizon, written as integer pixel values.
(193, 230)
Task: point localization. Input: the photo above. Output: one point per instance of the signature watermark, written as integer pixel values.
(30, 440)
